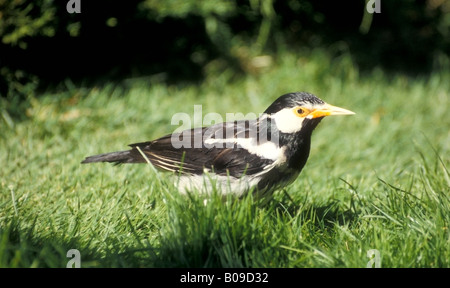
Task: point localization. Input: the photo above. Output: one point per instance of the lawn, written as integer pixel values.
(378, 180)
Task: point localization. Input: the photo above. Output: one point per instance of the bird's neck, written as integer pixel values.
(298, 145)
(297, 150)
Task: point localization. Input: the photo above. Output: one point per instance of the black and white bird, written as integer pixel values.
(260, 155)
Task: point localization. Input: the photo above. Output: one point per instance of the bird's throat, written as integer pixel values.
(299, 144)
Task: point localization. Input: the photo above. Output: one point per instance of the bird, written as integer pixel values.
(259, 155)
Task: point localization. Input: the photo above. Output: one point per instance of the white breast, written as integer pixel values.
(207, 182)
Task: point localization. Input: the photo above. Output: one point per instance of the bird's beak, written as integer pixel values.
(327, 110)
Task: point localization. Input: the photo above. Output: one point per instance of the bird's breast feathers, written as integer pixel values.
(273, 176)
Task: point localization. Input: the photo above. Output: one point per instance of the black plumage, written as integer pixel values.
(220, 159)
(268, 152)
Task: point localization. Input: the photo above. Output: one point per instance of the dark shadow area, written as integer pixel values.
(20, 248)
(406, 37)
(114, 41)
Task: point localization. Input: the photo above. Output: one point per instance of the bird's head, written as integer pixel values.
(294, 111)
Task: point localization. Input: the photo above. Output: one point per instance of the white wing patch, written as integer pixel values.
(267, 150)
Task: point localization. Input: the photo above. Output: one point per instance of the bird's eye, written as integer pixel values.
(301, 111)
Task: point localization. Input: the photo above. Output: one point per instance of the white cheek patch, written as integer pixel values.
(287, 121)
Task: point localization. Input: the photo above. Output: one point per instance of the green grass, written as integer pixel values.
(375, 180)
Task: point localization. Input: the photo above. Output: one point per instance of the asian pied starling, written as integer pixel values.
(260, 155)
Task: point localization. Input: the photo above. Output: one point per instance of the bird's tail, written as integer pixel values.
(119, 157)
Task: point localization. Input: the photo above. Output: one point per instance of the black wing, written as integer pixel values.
(190, 152)
(215, 148)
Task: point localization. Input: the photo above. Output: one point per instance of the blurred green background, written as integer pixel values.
(182, 40)
(74, 85)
